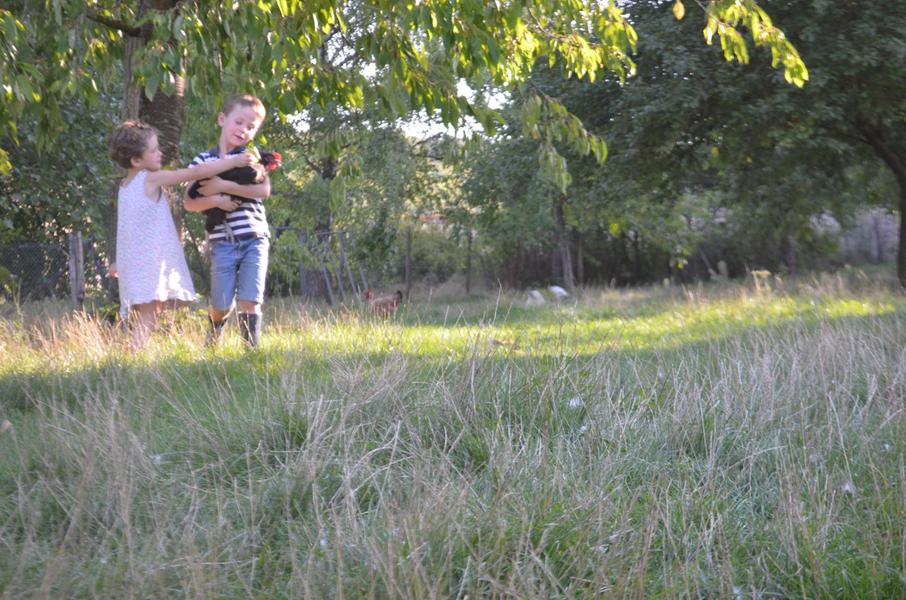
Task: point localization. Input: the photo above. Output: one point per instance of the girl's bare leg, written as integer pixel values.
(144, 322)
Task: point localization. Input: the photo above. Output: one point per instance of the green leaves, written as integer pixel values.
(15, 89)
(723, 16)
(294, 53)
(546, 120)
(5, 165)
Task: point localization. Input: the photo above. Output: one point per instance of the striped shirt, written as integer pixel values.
(248, 220)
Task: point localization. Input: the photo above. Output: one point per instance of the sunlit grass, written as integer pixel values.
(584, 328)
(52, 352)
(703, 442)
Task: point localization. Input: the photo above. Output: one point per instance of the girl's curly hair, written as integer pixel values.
(130, 140)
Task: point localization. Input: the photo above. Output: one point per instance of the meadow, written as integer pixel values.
(708, 441)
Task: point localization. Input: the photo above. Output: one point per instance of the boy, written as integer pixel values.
(239, 246)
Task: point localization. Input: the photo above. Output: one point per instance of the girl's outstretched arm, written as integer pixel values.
(158, 178)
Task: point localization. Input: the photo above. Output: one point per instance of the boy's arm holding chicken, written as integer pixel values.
(247, 182)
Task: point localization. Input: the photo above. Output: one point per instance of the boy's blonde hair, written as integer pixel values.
(248, 100)
(130, 140)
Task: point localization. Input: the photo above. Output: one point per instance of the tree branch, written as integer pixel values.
(314, 166)
(428, 139)
(875, 138)
(129, 30)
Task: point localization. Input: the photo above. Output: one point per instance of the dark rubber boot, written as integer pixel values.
(250, 328)
(215, 333)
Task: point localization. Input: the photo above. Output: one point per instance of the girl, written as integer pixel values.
(149, 262)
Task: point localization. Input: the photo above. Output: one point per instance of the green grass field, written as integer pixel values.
(702, 442)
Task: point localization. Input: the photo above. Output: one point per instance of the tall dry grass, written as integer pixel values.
(476, 450)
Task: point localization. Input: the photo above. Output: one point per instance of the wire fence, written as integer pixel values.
(304, 264)
(33, 271)
(338, 267)
(41, 270)
(317, 264)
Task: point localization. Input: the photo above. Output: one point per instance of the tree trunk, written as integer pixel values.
(874, 136)
(878, 250)
(131, 92)
(901, 251)
(408, 265)
(788, 252)
(76, 269)
(326, 169)
(469, 262)
(303, 285)
(580, 259)
(569, 282)
(165, 113)
(636, 256)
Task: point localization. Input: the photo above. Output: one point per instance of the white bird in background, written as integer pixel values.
(558, 292)
(534, 298)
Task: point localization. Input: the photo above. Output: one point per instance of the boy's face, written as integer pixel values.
(238, 127)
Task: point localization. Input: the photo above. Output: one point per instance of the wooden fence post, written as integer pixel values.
(344, 259)
(302, 287)
(76, 269)
(408, 265)
(469, 262)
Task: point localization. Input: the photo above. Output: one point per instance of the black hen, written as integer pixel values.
(250, 174)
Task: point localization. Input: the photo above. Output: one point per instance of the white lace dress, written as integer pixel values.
(149, 256)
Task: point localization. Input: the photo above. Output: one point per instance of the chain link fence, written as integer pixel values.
(41, 270)
(317, 265)
(34, 271)
(302, 264)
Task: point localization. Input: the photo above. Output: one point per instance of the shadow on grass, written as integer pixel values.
(542, 342)
(512, 386)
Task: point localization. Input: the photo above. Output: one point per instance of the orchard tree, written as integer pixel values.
(278, 49)
(296, 54)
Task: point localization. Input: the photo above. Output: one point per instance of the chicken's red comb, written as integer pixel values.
(275, 161)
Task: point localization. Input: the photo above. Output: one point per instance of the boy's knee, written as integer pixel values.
(218, 314)
(249, 306)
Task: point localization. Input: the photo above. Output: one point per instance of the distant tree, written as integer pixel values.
(775, 154)
(64, 187)
(856, 103)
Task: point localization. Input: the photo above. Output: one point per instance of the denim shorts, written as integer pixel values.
(238, 269)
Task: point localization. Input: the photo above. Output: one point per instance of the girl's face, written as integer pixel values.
(151, 157)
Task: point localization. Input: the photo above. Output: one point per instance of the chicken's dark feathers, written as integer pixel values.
(248, 175)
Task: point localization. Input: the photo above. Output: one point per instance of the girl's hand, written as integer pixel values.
(225, 202)
(211, 186)
(240, 160)
(111, 270)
